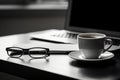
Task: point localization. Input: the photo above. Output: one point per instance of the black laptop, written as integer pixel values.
(86, 16)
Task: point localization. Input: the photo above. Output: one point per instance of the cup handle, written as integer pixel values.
(110, 44)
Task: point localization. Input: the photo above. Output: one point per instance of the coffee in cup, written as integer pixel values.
(91, 45)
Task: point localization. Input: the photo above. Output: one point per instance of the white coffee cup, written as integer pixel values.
(92, 45)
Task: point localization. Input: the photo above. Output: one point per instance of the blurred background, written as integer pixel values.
(22, 16)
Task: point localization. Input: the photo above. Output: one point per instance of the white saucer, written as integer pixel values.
(78, 56)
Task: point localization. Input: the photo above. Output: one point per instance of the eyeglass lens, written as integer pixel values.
(37, 52)
(15, 52)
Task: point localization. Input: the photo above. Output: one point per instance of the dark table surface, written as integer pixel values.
(57, 66)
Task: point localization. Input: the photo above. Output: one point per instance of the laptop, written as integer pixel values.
(86, 16)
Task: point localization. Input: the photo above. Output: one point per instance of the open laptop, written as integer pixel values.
(86, 16)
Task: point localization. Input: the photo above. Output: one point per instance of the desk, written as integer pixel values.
(60, 67)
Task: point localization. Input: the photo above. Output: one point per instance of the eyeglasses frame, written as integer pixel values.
(27, 50)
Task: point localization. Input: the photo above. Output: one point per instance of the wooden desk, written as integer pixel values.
(57, 67)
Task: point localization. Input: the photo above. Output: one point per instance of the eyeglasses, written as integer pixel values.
(34, 52)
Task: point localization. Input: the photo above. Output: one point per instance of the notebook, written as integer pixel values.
(86, 16)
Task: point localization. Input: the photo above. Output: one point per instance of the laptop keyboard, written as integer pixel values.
(66, 35)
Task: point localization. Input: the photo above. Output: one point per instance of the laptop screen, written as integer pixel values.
(94, 16)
